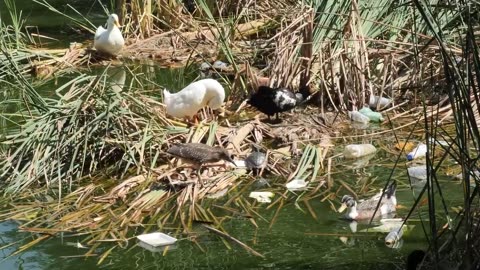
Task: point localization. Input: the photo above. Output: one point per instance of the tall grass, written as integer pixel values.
(454, 237)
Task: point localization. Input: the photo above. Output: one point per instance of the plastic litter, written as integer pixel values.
(418, 172)
(296, 184)
(156, 239)
(393, 237)
(417, 152)
(262, 196)
(358, 150)
(357, 116)
(373, 116)
(380, 102)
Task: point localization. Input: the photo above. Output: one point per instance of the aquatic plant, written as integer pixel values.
(90, 160)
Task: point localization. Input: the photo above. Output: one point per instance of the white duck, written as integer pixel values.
(187, 102)
(109, 40)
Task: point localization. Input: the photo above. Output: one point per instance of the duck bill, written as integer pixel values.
(117, 24)
(342, 208)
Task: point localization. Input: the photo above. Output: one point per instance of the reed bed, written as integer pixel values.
(91, 161)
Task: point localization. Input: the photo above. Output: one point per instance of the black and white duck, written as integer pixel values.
(272, 101)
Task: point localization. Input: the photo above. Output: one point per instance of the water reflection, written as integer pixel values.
(117, 77)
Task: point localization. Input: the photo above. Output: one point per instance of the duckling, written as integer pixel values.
(187, 102)
(109, 40)
(366, 209)
(272, 101)
(257, 160)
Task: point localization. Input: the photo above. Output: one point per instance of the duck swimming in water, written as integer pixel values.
(188, 101)
(272, 101)
(109, 40)
(366, 209)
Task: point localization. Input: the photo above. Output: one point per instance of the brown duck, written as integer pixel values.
(199, 154)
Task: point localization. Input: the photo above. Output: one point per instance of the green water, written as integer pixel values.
(296, 240)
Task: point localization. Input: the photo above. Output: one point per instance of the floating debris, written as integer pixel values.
(394, 237)
(418, 172)
(373, 116)
(474, 174)
(358, 150)
(296, 184)
(156, 239)
(389, 224)
(379, 102)
(262, 196)
(357, 116)
(417, 152)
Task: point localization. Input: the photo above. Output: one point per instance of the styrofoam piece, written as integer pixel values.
(156, 239)
(296, 184)
(262, 196)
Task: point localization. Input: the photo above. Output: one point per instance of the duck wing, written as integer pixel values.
(369, 205)
(263, 100)
(99, 32)
(196, 152)
(285, 99)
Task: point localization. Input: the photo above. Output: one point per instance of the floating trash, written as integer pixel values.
(393, 237)
(156, 239)
(379, 102)
(373, 116)
(417, 152)
(389, 224)
(474, 174)
(357, 116)
(418, 172)
(358, 150)
(360, 162)
(156, 249)
(296, 184)
(262, 196)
